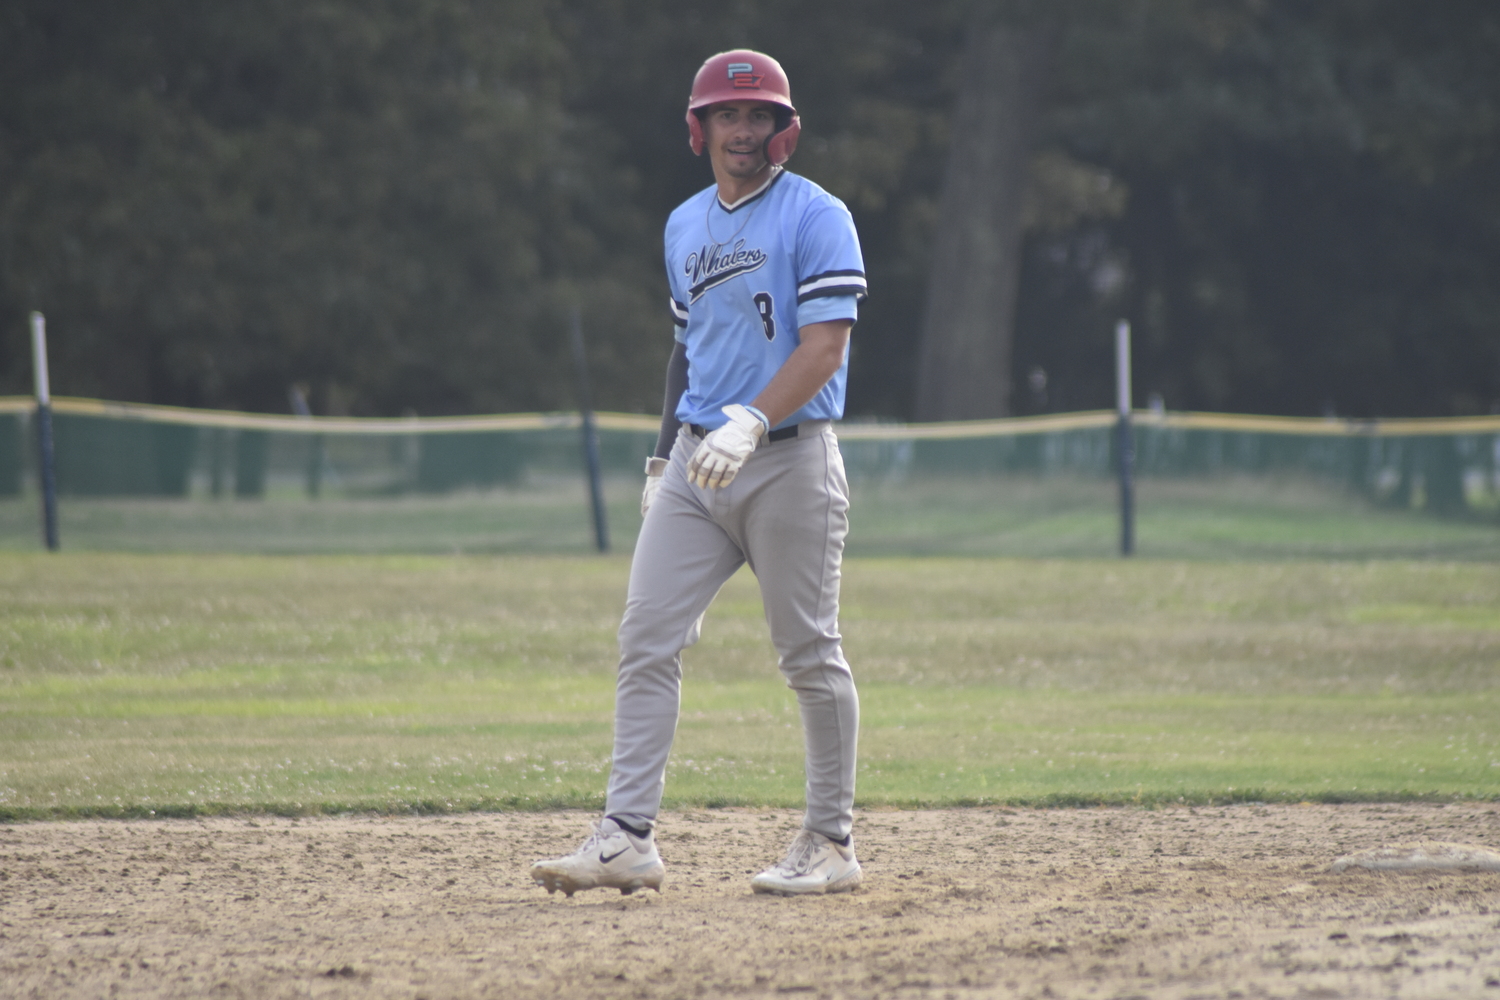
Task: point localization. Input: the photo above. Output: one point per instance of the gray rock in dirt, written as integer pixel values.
(1428, 855)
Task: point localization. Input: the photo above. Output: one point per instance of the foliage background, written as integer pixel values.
(397, 204)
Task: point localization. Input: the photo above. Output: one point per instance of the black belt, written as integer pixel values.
(771, 438)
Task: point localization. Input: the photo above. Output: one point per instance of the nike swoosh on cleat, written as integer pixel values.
(605, 859)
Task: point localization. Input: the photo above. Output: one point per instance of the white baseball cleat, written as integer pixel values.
(611, 858)
(812, 864)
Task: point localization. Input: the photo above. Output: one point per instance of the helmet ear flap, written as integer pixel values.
(695, 132)
(781, 146)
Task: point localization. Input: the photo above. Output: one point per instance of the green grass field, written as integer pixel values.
(1252, 518)
(181, 684)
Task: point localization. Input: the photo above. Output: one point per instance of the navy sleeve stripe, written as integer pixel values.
(829, 291)
(808, 284)
(841, 281)
(679, 313)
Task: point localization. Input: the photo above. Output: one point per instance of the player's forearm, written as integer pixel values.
(677, 383)
(816, 360)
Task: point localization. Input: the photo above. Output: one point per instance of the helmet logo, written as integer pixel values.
(742, 76)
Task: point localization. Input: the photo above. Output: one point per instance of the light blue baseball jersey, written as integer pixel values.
(746, 278)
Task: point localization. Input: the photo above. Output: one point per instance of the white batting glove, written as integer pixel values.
(719, 457)
(655, 469)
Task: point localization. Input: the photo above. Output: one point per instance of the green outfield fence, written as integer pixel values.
(156, 478)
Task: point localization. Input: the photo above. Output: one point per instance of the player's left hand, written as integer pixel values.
(656, 468)
(722, 452)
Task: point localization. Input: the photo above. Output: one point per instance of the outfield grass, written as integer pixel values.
(1248, 518)
(131, 683)
(1224, 517)
(551, 516)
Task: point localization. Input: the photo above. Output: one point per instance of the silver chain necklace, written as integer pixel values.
(715, 200)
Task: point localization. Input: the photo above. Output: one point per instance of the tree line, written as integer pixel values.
(395, 206)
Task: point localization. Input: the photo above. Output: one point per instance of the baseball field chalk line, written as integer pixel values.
(1426, 856)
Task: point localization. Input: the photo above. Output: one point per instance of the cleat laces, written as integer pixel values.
(799, 855)
(596, 837)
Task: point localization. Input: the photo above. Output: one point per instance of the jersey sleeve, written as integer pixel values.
(678, 298)
(828, 307)
(679, 318)
(829, 262)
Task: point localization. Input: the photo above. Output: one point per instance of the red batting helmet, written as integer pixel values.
(740, 75)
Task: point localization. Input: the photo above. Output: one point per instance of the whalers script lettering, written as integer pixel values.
(714, 265)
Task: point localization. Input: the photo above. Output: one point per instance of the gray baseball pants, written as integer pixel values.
(786, 514)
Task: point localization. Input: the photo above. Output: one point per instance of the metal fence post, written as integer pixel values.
(46, 457)
(590, 436)
(1126, 438)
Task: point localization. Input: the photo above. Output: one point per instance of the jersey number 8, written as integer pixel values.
(767, 309)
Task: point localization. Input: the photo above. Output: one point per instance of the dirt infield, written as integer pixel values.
(1175, 903)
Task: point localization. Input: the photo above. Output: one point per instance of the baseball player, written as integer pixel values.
(766, 276)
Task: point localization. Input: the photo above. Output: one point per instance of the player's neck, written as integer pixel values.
(733, 190)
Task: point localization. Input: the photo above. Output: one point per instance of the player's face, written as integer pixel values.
(737, 132)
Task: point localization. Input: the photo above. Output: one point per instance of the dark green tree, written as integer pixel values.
(1310, 214)
(387, 201)
(398, 204)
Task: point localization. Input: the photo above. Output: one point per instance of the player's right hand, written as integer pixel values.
(655, 469)
(719, 457)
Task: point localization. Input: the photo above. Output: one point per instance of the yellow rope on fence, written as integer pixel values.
(849, 430)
